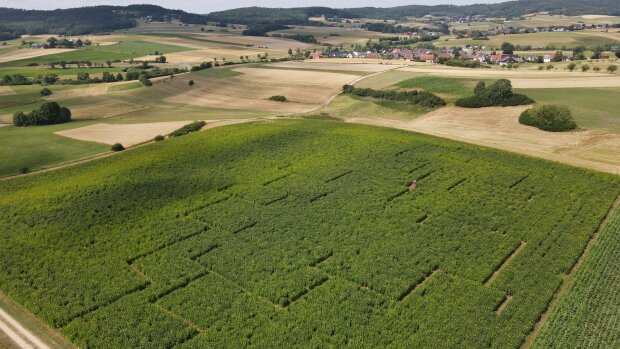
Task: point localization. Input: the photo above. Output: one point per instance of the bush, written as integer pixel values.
(50, 113)
(549, 117)
(499, 94)
(422, 98)
(278, 98)
(145, 81)
(24, 170)
(45, 92)
(191, 82)
(117, 147)
(159, 138)
(189, 128)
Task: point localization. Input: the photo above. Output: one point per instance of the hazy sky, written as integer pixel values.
(205, 6)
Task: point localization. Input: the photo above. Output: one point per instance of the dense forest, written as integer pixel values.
(84, 20)
(255, 15)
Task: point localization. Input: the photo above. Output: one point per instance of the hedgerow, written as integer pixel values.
(421, 98)
(297, 233)
(187, 129)
(499, 94)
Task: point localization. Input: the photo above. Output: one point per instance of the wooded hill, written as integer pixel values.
(98, 19)
(84, 20)
(255, 15)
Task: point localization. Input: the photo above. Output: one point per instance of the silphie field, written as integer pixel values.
(298, 234)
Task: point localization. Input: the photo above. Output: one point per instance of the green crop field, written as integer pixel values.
(588, 315)
(591, 107)
(558, 39)
(121, 50)
(298, 234)
(449, 88)
(36, 147)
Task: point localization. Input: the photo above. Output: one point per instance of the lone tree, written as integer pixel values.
(612, 68)
(508, 48)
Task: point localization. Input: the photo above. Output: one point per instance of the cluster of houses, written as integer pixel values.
(434, 55)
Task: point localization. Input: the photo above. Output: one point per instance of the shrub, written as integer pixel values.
(45, 92)
(24, 170)
(498, 94)
(144, 80)
(159, 138)
(189, 128)
(278, 98)
(49, 113)
(117, 147)
(549, 117)
(191, 83)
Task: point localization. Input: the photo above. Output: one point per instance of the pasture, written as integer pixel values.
(592, 108)
(39, 147)
(277, 234)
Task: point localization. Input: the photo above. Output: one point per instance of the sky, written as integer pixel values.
(206, 6)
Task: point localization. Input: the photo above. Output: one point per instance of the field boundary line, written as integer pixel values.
(568, 279)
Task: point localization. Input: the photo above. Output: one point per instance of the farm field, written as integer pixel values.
(39, 147)
(593, 108)
(565, 40)
(279, 232)
(498, 127)
(307, 212)
(587, 315)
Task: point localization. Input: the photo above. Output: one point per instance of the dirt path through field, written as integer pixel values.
(499, 128)
(18, 334)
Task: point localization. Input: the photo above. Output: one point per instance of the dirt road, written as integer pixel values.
(18, 334)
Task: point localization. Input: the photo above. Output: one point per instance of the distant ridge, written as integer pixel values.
(97, 19)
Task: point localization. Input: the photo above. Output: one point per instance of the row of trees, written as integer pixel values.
(612, 68)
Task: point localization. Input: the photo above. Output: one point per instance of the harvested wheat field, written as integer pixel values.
(525, 78)
(105, 109)
(324, 65)
(499, 127)
(214, 100)
(256, 41)
(6, 90)
(90, 91)
(202, 55)
(30, 53)
(238, 87)
(126, 134)
(295, 77)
